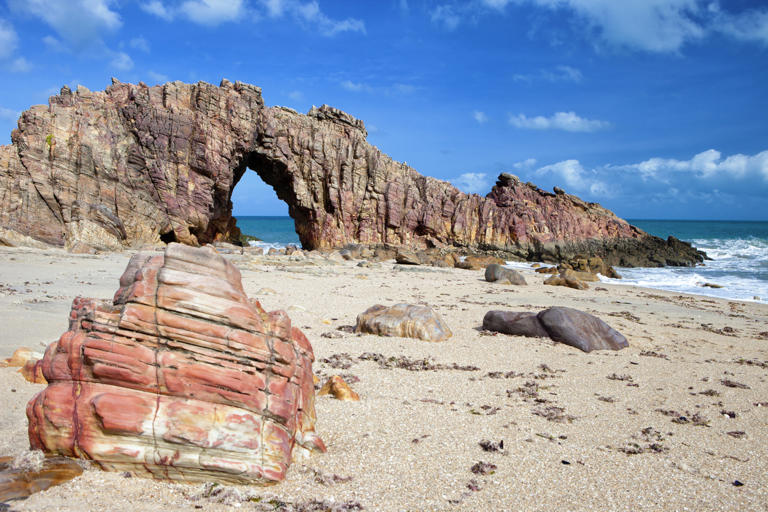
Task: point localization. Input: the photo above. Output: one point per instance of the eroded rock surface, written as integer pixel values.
(134, 165)
(405, 320)
(180, 377)
(565, 325)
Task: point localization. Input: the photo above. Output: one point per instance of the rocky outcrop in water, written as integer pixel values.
(180, 377)
(134, 165)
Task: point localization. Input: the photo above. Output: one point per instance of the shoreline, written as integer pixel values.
(413, 439)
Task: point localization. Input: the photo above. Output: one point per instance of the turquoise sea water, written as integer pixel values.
(273, 231)
(739, 252)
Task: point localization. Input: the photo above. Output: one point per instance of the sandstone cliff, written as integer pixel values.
(134, 165)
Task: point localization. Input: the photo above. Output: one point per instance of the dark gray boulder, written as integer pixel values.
(520, 323)
(581, 330)
(564, 325)
(495, 273)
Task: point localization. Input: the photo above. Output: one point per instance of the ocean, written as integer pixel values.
(739, 252)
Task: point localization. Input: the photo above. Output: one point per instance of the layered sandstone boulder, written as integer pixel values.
(134, 165)
(180, 377)
(403, 320)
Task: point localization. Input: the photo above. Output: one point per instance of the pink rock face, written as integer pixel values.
(134, 164)
(181, 377)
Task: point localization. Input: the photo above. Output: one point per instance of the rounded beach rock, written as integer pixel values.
(565, 325)
(404, 320)
(495, 273)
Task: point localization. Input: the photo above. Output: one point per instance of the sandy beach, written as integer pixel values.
(676, 421)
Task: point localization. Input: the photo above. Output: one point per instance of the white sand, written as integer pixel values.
(447, 410)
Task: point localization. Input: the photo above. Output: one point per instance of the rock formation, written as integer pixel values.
(337, 387)
(134, 164)
(564, 325)
(495, 273)
(405, 320)
(180, 377)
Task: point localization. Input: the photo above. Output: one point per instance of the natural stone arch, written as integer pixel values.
(134, 165)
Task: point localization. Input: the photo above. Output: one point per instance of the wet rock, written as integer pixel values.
(593, 265)
(711, 285)
(578, 276)
(478, 262)
(547, 270)
(565, 281)
(404, 320)
(338, 389)
(495, 273)
(181, 377)
(564, 325)
(32, 472)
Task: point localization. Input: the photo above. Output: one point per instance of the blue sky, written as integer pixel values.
(653, 108)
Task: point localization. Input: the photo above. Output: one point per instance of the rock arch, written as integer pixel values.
(136, 165)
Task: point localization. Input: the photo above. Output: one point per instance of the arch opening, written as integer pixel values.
(261, 201)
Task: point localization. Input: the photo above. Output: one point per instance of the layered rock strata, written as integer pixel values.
(180, 377)
(134, 164)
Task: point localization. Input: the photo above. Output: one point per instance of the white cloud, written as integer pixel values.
(157, 8)
(311, 16)
(8, 39)
(496, 4)
(212, 12)
(390, 89)
(747, 26)
(53, 44)
(576, 178)
(275, 8)
(524, 165)
(567, 121)
(78, 22)
(447, 16)
(707, 164)
(479, 116)
(356, 86)
(296, 95)
(139, 43)
(8, 114)
(570, 171)
(656, 26)
(20, 65)
(202, 12)
(472, 182)
(157, 78)
(556, 74)
(121, 61)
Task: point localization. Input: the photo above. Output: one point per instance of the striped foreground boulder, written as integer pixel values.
(180, 377)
